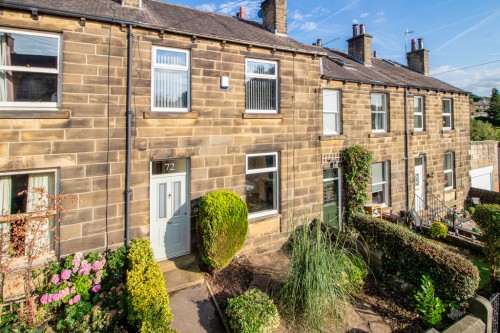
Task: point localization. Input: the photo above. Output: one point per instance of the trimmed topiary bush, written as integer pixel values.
(222, 227)
(487, 216)
(409, 255)
(252, 312)
(147, 300)
(438, 230)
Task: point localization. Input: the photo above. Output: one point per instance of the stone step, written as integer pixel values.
(181, 277)
(176, 263)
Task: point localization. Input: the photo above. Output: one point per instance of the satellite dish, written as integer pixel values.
(259, 14)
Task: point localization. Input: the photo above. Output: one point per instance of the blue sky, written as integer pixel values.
(458, 33)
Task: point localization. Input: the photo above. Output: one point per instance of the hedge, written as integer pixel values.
(487, 216)
(408, 255)
(222, 226)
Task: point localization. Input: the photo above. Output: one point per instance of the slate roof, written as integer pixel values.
(169, 17)
(340, 66)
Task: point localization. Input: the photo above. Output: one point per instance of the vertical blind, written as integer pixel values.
(261, 86)
(171, 78)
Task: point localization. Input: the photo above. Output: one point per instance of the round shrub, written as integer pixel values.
(471, 210)
(222, 227)
(252, 312)
(438, 230)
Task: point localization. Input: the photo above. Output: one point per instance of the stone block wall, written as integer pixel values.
(485, 154)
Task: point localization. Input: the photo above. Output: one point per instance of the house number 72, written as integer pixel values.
(169, 167)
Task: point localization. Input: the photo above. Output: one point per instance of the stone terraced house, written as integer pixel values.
(139, 108)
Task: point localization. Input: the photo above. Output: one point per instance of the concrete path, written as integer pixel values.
(194, 311)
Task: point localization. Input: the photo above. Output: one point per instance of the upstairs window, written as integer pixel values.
(261, 184)
(418, 113)
(170, 91)
(379, 112)
(331, 112)
(447, 114)
(30, 66)
(448, 171)
(380, 187)
(261, 86)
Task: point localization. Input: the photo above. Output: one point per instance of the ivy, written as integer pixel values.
(357, 163)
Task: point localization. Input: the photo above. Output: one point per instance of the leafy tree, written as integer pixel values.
(481, 130)
(494, 111)
(474, 98)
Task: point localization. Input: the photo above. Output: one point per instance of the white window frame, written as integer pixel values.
(384, 112)
(447, 114)
(185, 68)
(384, 183)
(418, 113)
(276, 185)
(263, 76)
(332, 113)
(42, 106)
(452, 171)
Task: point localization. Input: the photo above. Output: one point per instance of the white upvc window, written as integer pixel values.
(379, 112)
(447, 114)
(20, 195)
(418, 113)
(448, 171)
(30, 70)
(261, 79)
(262, 184)
(170, 80)
(331, 112)
(380, 185)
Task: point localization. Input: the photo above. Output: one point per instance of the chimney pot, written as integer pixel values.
(242, 12)
(413, 42)
(375, 53)
(362, 29)
(420, 43)
(319, 42)
(354, 30)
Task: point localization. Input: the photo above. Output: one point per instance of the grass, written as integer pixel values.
(322, 276)
(484, 274)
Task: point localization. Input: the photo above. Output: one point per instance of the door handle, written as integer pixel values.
(169, 195)
(169, 222)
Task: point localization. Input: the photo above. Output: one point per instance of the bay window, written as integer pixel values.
(261, 79)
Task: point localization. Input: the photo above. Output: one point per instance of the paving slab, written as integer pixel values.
(194, 311)
(183, 277)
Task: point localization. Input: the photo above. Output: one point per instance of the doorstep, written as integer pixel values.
(181, 273)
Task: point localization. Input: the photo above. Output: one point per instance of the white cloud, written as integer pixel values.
(308, 26)
(320, 11)
(210, 7)
(380, 20)
(363, 15)
(479, 81)
(355, 21)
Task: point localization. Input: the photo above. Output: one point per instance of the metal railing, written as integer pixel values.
(432, 210)
(495, 303)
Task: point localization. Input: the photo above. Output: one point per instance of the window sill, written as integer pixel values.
(417, 133)
(452, 131)
(28, 114)
(379, 135)
(331, 137)
(262, 115)
(261, 218)
(170, 115)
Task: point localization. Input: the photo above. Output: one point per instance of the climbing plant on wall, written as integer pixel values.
(356, 164)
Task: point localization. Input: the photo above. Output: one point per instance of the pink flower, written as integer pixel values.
(70, 302)
(76, 261)
(90, 281)
(96, 288)
(76, 299)
(84, 268)
(97, 265)
(44, 299)
(55, 279)
(56, 297)
(65, 274)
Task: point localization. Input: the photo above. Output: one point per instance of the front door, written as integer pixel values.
(169, 215)
(331, 197)
(419, 184)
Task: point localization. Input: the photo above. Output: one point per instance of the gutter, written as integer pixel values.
(128, 148)
(65, 13)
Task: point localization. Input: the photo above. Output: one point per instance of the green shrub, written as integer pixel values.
(222, 227)
(321, 278)
(252, 312)
(147, 300)
(428, 304)
(409, 255)
(476, 230)
(487, 216)
(438, 230)
(471, 210)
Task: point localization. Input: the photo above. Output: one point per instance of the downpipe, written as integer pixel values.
(128, 148)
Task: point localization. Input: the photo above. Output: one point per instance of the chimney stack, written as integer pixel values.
(241, 13)
(132, 3)
(274, 16)
(418, 58)
(360, 45)
(319, 42)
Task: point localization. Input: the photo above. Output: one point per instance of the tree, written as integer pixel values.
(494, 110)
(474, 98)
(480, 131)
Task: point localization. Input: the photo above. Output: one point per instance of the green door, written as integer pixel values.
(331, 197)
